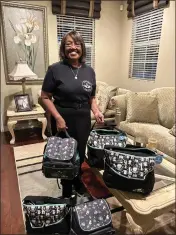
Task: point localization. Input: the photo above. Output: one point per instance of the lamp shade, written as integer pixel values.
(22, 70)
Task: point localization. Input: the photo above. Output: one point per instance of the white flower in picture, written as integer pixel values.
(25, 36)
(17, 39)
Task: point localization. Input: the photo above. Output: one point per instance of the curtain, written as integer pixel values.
(84, 8)
(137, 7)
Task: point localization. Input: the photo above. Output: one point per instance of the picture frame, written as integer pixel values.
(22, 103)
(24, 37)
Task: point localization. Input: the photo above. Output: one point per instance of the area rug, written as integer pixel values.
(32, 182)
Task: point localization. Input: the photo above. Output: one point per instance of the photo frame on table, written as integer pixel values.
(24, 37)
(23, 103)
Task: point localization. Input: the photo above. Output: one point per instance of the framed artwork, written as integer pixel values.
(23, 103)
(24, 31)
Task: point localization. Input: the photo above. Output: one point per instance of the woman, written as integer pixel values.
(72, 84)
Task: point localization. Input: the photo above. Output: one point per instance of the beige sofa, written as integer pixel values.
(166, 114)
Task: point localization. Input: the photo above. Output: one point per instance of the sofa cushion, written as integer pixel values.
(166, 105)
(142, 108)
(165, 141)
(122, 91)
(172, 131)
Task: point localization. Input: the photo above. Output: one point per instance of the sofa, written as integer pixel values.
(156, 120)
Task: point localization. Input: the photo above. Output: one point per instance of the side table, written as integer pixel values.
(37, 113)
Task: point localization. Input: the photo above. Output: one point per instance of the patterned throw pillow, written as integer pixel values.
(142, 108)
(103, 94)
(102, 99)
(172, 131)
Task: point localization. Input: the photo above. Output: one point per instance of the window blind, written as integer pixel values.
(138, 7)
(145, 42)
(85, 26)
(82, 8)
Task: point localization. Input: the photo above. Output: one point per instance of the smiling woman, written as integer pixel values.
(73, 47)
(72, 84)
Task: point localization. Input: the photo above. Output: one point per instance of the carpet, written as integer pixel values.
(32, 182)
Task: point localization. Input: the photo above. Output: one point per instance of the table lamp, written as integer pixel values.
(21, 72)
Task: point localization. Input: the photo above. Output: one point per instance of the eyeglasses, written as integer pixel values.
(70, 44)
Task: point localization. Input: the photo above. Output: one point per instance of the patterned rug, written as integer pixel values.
(32, 182)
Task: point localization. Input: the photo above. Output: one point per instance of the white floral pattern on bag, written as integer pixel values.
(129, 166)
(99, 141)
(93, 215)
(60, 149)
(45, 215)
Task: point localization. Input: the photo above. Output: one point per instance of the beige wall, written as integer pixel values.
(166, 62)
(107, 43)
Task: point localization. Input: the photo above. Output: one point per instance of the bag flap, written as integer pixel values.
(93, 215)
(128, 165)
(60, 148)
(45, 215)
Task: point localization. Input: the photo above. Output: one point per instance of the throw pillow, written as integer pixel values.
(142, 108)
(102, 99)
(102, 86)
(172, 131)
(103, 94)
(112, 90)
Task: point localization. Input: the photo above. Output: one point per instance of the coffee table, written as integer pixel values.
(141, 211)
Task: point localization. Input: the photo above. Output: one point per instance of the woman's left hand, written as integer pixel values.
(99, 117)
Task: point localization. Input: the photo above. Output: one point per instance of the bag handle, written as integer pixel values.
(93, 126)
(63, 131)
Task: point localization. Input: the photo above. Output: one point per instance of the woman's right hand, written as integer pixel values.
(61, 124)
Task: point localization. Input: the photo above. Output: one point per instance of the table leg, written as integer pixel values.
(142, 227)
(10, 125)
(44, 124)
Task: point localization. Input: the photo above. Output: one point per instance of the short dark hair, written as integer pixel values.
(76, 36)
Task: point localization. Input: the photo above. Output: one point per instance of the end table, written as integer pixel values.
(37, 113)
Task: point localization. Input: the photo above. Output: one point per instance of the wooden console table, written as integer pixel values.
(37, 113)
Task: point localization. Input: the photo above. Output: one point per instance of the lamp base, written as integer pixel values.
(24, 85)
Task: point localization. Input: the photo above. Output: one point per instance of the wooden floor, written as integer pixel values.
(11, 213)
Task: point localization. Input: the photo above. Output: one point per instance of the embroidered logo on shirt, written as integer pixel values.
(87, 86)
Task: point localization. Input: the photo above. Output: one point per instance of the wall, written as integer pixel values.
(107, 28)
(166, 63)
(107, 43)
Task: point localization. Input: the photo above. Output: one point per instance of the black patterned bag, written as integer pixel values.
(130, 168)
(93, 217)
(61, 158)
(47, 215)
(98, 139)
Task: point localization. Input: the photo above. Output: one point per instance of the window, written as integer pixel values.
(85, 26)
(146, 33)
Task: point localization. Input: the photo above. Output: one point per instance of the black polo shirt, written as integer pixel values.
(60, 81)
